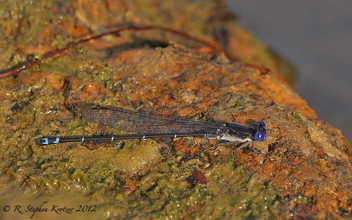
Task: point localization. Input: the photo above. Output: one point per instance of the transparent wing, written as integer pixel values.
(143, 123)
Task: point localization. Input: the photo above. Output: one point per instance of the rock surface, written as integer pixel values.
(306, 172)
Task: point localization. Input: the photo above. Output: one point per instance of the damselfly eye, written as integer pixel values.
(261, 124)
(259, 136)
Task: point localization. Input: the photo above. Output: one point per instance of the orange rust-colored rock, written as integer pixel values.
(305, 173)
(56, 81)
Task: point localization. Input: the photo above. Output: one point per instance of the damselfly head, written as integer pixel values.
(260, 124)
(260, 133)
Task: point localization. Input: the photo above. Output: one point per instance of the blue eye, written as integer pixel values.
(261, 123)
(259, 136)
